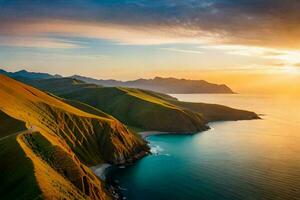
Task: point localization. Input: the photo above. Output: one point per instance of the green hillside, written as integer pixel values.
(16, 169)
(145, 110)
(215, 112)
(9, 125)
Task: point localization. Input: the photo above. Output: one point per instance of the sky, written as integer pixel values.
(251, 45)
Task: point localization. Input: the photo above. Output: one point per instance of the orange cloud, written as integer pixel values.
(272, 24)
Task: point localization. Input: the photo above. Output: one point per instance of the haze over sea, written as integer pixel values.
(247, 160)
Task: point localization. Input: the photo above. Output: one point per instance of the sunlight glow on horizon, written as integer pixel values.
(128, 40)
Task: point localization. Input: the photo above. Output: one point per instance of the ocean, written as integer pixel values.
(238, 160)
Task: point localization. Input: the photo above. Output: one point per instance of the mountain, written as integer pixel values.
(143, 109)
(48, 144)
(165, 85)
(28, 75)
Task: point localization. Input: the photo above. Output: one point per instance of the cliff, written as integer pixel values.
(62, 142)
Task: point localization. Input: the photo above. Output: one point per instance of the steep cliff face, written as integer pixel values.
(64, 140)
(58, 173)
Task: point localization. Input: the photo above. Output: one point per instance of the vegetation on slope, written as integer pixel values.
(65, 141)
(215, 112)
(58, 174)
(16, 169)
(137, 108)
(9, 125)
(144, 109)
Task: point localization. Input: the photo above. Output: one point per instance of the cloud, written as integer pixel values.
(121, 34)
(37, 42)
(182, 50)
(263, 23)
(276, 57)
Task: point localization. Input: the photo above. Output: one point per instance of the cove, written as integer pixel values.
(233, 160)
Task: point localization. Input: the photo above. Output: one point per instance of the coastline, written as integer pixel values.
(145, 134)
(104, 171)
(101, 170)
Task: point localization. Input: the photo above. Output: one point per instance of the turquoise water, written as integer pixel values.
(252, 160)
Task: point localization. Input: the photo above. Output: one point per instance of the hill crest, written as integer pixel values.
(166, 85)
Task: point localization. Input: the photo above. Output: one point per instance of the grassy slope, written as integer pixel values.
(215, 112)
(145, 110)
(16, 169)
(58, 174)
(138, 108)
(17, 172)
(87, 108)
(9, 125)
(67, 140)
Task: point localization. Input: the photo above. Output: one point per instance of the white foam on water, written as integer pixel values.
(155, 149)
(100, 170)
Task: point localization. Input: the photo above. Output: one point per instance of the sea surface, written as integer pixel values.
(243, 160)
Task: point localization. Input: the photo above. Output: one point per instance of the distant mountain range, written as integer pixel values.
(29, 75)
(165, 85)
